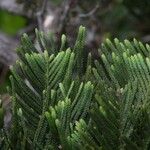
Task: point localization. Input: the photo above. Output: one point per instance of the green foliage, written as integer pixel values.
(11, 23)
(65, 100)
(122, 95)
(4, 85)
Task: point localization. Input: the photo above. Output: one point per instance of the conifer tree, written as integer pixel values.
(63, 99)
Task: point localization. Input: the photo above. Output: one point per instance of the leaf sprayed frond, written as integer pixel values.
(64, 99)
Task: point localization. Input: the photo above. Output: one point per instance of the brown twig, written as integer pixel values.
(68, 5)
(39, 15)
(89, 14)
